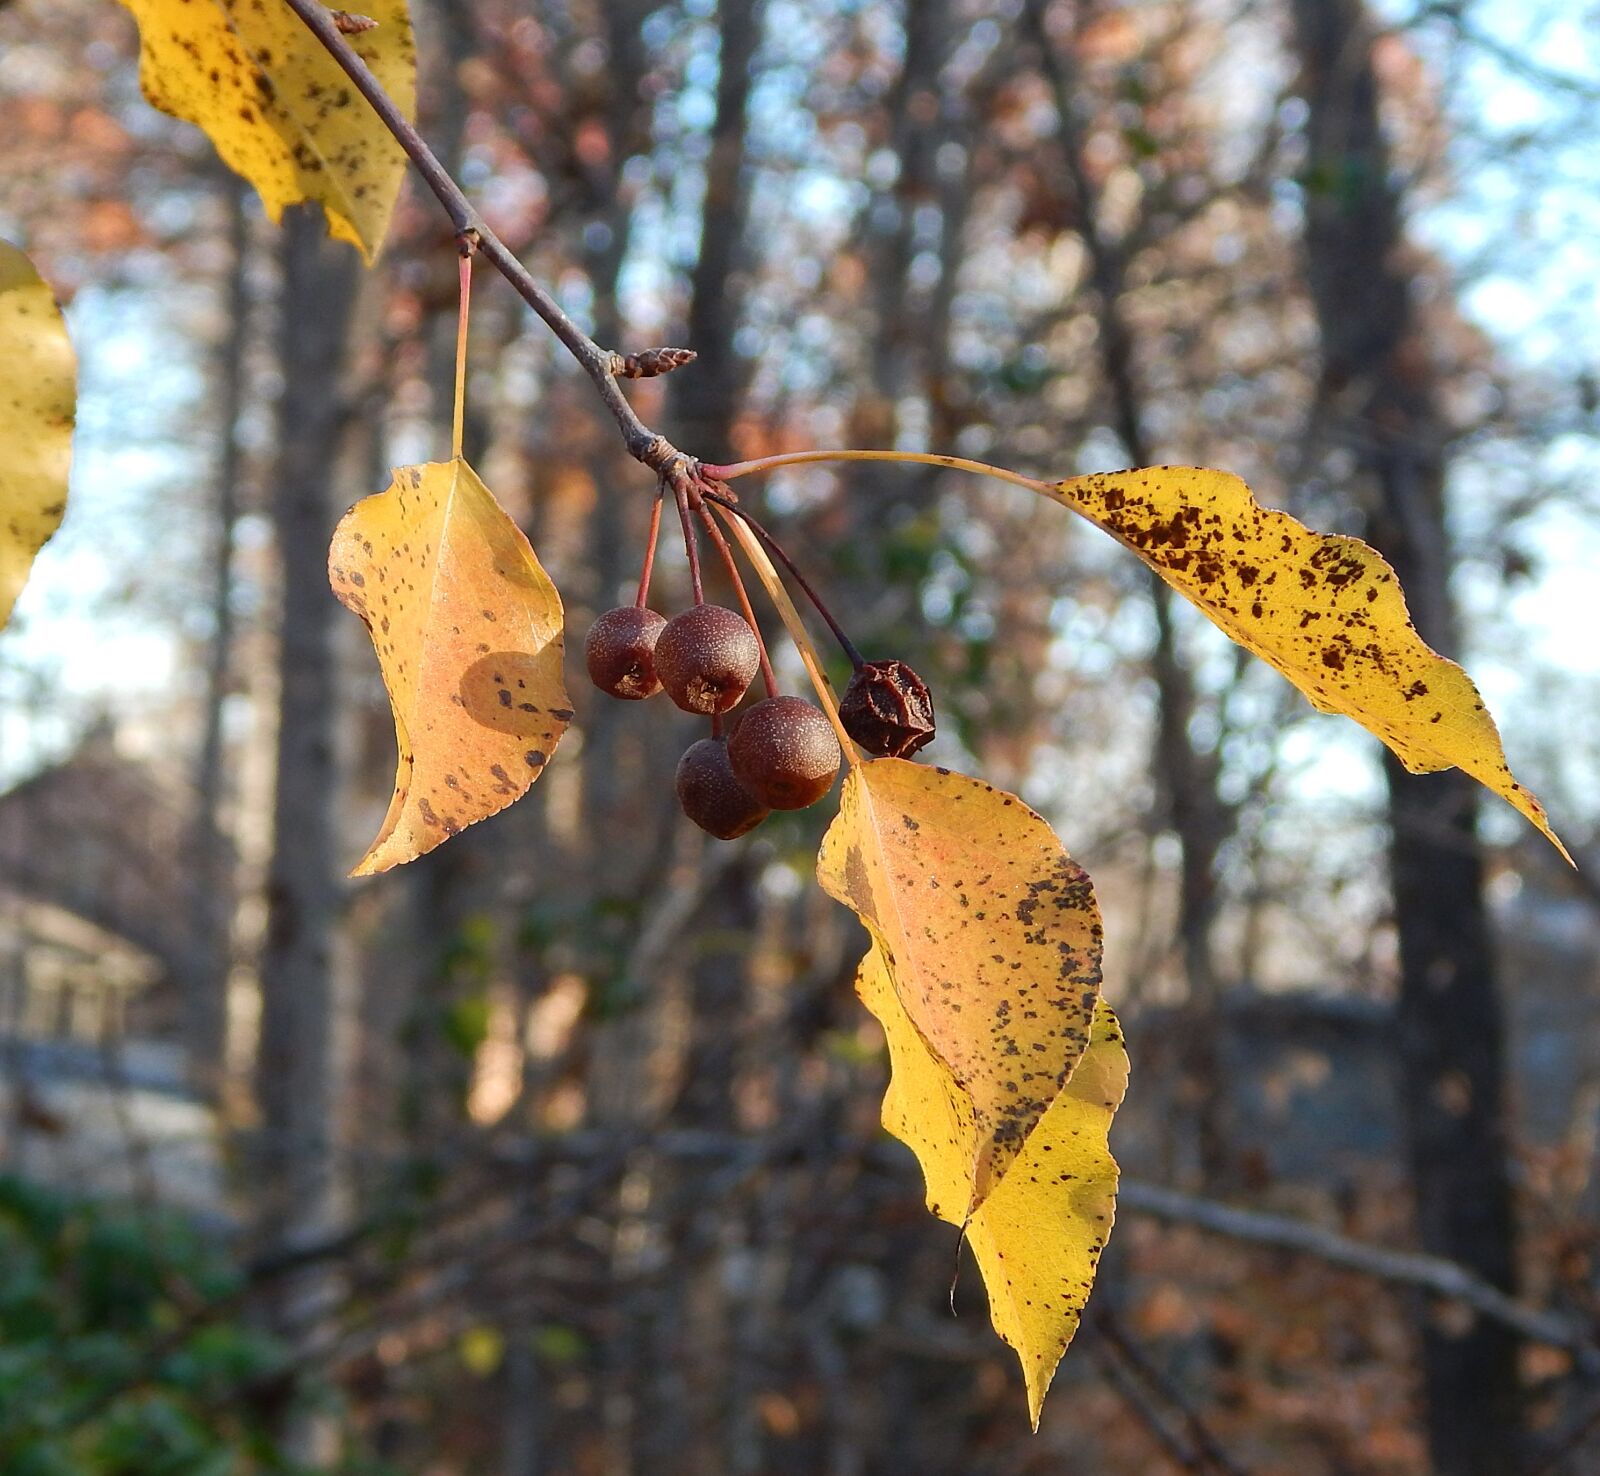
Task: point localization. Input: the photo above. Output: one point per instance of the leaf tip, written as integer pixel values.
(1531, 810)
(1038, 1376)
(1544, 829)
(1555, 840)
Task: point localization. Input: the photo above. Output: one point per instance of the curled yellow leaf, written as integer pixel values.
(990, 934)
(1038, 1237)
(468, 631)
(38, 395)
(1326, 611)
(279, 109)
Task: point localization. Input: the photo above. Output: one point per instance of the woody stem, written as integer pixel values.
(643, 444)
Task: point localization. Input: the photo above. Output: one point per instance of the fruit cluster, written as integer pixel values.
(781, 752)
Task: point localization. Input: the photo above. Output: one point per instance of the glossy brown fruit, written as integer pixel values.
(620, 652)
(706, 658)
(710, 794)
(783, 750)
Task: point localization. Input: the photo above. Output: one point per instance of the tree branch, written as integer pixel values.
(1432, 1273)
(601, 365)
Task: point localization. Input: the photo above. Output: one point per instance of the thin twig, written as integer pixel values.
(1514, 61)
(1208, 1454)
(1138, 1399)
(776, 549)
(643, 444)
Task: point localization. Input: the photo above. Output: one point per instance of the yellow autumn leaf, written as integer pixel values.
(991, 936)
(1038, 1237)
(279, 109)
(1326, 611)
(467, 627)
(38, 393)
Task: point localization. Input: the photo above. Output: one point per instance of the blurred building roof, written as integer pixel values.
(103, 837)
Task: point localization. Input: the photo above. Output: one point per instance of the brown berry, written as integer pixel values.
(887, 709)
(783, 750)
(710, 794)
(620, 652)
(706, 658)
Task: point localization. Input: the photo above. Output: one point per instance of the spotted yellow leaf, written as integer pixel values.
(38, 393)
(990, 934)
(1327, 611)
(277, 106)
(468, 631)
(1038, 1236)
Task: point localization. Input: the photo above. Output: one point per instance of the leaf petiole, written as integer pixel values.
(714, 533)
(919, 458)
(458, 417)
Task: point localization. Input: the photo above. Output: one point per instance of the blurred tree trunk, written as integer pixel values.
(302, 971)
(907, 353)
(1377, 371)
(705, 396)
(904, 341)
(211, 858)
(1185, 780)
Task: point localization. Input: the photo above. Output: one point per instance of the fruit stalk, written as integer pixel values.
(691, 545)
(643, 596)
(796, 626)
(776, 549)
(714, 533)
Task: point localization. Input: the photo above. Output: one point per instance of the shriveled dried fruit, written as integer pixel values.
(888, 709)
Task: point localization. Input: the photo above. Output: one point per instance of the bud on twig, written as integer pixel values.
(352, 25)
(651, 362)
(888, 709)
